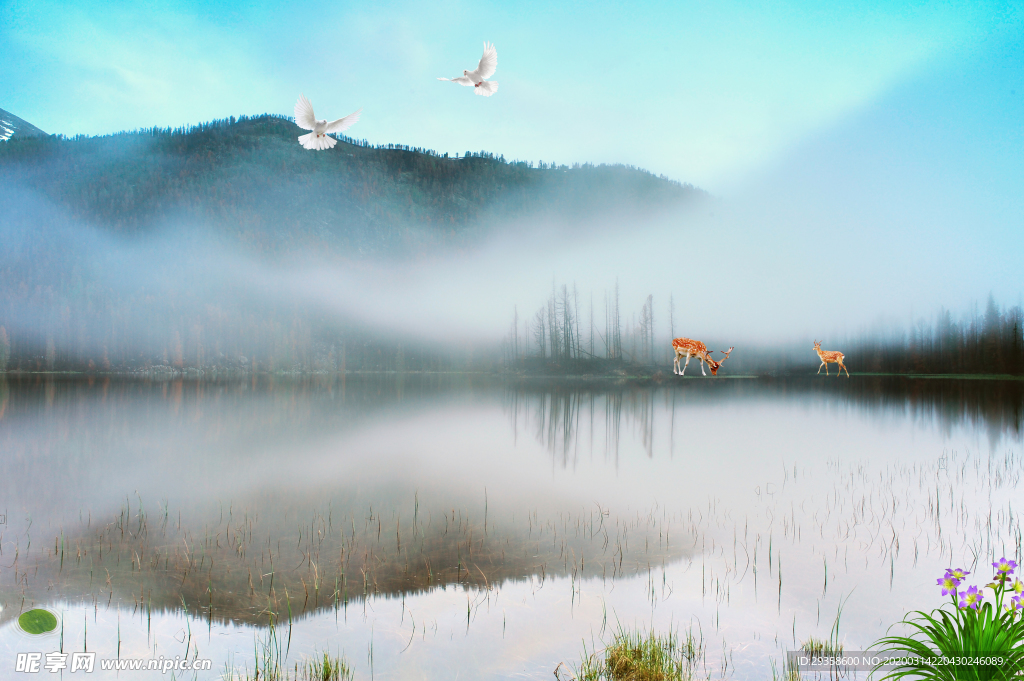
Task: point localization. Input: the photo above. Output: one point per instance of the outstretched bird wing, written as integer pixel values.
(304, 117)
(343, 123)
(461, 80)
(488, 64)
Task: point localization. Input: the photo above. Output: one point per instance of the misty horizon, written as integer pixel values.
(411, 383)
(464, 295)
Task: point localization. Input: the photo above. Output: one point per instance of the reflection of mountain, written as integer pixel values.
(240, 565)
(231, 526)
(565, 419)
(266, 487)
(12, 127)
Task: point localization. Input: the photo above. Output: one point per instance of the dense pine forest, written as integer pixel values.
(977, 343)
(250, 178)
(108, 241)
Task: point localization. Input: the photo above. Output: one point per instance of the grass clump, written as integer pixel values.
(641, 656)
(816, 647)
(787, 673)
(327, 669)
(977, 640)
(270, 663)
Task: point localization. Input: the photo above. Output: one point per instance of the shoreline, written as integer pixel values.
(656, 377)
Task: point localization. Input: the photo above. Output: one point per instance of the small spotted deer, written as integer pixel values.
(688, 348)
(830, 356)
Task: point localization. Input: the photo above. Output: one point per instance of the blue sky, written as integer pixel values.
(701, 92)
(868, 157)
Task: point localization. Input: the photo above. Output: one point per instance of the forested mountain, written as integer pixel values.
(250, 178)
(117, 249)
(13, 127)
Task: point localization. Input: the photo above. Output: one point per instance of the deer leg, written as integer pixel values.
(844, 369)
(685, 364)
(821, 365)
(702, 366)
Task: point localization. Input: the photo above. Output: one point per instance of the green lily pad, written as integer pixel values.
(37, 621)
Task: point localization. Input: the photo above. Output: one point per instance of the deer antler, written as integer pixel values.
(727, 353)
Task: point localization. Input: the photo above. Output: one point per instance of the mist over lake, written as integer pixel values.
(695, 346)
(436, 518)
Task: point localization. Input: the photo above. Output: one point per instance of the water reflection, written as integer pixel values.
(564, 418)
(749, 506)
(238, 499)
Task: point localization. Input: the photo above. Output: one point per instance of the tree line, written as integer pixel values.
(249, 179)
(989, 342)
(564, 335)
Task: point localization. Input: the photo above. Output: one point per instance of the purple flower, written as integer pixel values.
(971, 598)
(949, 583)
(958, 573)
(1018, 587)
(1005, 566)
(1015, 603)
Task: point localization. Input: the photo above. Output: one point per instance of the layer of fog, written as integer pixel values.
(906, 206)
(769, 268)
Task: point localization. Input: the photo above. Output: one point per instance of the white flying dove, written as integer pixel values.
(319, 139)
(478, 78)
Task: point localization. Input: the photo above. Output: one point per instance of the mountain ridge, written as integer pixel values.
(251, 177)
(11, 127)
(154, 248)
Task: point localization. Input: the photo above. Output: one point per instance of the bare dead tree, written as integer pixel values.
(647, 330)
(515, 333)
(553, 334)
(671, 317)
(539, 332)
(591, 323)
(576, 318)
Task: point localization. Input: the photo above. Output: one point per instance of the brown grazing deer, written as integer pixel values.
(830, 356)
(686, 347)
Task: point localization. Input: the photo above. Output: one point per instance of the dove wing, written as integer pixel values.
(461, 80)
(343, 123)
(304, 117)
(488, 62)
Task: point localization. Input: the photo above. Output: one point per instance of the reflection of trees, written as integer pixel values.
(997, 407)
(567, 421)
(571, 419)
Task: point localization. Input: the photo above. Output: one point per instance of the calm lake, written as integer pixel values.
(444, 527)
